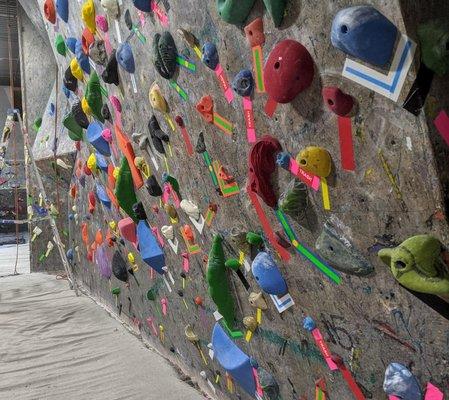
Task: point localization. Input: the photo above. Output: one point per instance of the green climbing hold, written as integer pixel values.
(124, 189)
(37, 124)
(254, 239)
(151, 295)
(93, 96)
(434, 38)
(75, 131)
(233, 264)
(417, 265)
(294, 201)
(234, 11)
(60, 45)
(218, 282)
(276, 8)
(115, 291)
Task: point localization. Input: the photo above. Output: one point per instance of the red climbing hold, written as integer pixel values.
(206, 108)
(254, 33)
(289, 71)
(261, 164)
(337, 101)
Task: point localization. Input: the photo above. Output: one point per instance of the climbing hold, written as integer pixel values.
(250, 323)
(243, 83)
(101, 161)
(102, 23)
(60, 45)
(339, 252)
(102, 196)
(171, 211)
(156, 99)
(110, 74)
(233, 360)
(149, 248)
(119, 267)
(198, 301)
(75, 131)
(337, 101)
(85, 106)
(78, 113)
(50, 11)
(400, 382)
(434, 39)
(190, 208)
(200, 144)
(164, 54)
(96, 139)
(153, 187)
(70, 82)
(309, 324)
(81, 57)
(417, 265)
(218, 282)
(261, 165)
(289, 70)
(315, 160)
(76, 70)
(268, 384)
(92, 163)
(143, 5)
(157, 135)
(206, 108)
(127, 229)
(105, 113)
(86, 40)
(111, 8)
(88, 15)
(276, 8)
(268, 275)
(62, 8)
(97, 52)
(151, 295)
(365, 33)
(188, 233)
(168, 232)
(234, 11)
(210, 55)
(124, 189)
(257, 301)
(71, 44)
(295, 199)
(254, 239)
(254, 33)
(94, 97)
(125, 58)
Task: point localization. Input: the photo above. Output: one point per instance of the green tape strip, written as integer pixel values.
(320, 394)
(218, 120)
(186, 64)
(330, 273)
(258, 68)
(179, 90)
(208, 161)
(103, 91)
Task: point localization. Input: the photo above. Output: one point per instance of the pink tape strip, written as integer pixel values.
(164, 305)
(310, 180)
(393, 398)
(165, 193)
(442, 124)
(324, 349)
(160, 13)
(107, 44)
(155, 231)
(185, 262)
(432, 392)
(221, 75)
(142, 18)
(150, 323)
(259, 389)
(249, 120)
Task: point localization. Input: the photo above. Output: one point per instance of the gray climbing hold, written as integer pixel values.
(400, 382)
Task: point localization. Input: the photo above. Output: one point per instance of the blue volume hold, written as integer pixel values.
(95, 138)
(102, 195)
(365, 33)
(62, 8)
(149, 248)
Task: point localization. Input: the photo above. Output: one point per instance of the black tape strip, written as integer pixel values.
(420, 89)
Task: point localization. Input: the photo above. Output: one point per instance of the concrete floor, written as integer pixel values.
(56, 346)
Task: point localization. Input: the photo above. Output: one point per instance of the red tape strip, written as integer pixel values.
(346, 145)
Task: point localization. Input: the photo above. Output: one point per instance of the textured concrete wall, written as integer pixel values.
(354, 315)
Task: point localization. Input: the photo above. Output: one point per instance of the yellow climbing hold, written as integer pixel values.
(85, 106)
(116, 172)
(315, 160)
(92, 162)
(88, 15)
(157, 100)
(76, 70)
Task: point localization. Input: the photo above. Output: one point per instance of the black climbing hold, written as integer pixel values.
(119, 267)
(158, 136)
(164, 54)
(78, 114)
(110, 74)
(153, 187)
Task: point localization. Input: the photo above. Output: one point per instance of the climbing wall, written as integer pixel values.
(394, 192)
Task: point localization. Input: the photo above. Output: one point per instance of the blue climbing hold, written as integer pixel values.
(233, 360)
(81, 57)
(143, 5)
(102, 196)
(400, 382)
(66, 91)
(309, 324)
(101, 162)
(95, 138)
(62, 8)
(268, 275)
(365, 33)
(70, 42)
(149, 248)
(69, 255)
(125, 58)
(210, 55)
(283, 159)
(243, 83)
